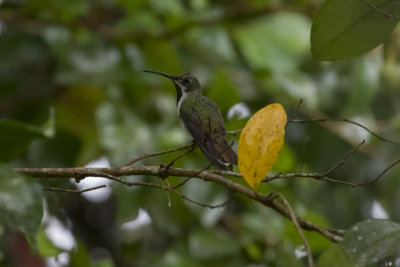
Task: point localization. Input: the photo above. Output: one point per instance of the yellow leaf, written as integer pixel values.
(260, 143)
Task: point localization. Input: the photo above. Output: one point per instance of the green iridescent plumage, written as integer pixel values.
(201, 118)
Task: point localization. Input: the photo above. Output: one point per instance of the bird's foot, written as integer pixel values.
(192, 143)
(163, 171)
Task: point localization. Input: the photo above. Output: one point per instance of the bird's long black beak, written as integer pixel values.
(172, 77)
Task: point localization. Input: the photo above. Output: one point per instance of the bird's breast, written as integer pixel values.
(178, 108)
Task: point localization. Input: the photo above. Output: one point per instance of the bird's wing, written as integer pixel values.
(211, 139)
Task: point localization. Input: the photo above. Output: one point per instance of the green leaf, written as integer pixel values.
(372, 240)
(344, 29)
(45, 247)
(335, 256)
(209, 244)
(20, 201)
(15, 137)
(275, 42)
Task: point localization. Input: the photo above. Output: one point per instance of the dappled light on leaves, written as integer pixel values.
(260, 143)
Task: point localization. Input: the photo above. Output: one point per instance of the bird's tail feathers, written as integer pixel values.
(222, 156)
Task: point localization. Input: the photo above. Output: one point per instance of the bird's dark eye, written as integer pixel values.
(186, 80)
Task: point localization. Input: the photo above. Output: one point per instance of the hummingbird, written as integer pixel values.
(201, 118)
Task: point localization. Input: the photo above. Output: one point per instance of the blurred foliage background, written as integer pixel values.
(73, 70)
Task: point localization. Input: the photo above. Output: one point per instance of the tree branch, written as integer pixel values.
(348, 121)
(323, 176)
(114, 173)
(318, 176)
(215, 176)
(77, 191)
(298, 228)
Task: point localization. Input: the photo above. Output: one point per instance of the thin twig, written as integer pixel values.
(227, 173)
(315, 175)
(295, 111)
(321, 176)
(145, 156)
(339, 164)
(115, 178)
(380, 175)
(334, 234)
(182, 183)
(56, 189)
(205, 168)
(348, 121)
(172, 190)
(339, 232)
(168, 188)
(162, 172)
(380, 10)
(298, 228)
(193, 147)
(195, 174)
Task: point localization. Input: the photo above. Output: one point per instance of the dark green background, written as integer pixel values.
(70, 74)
